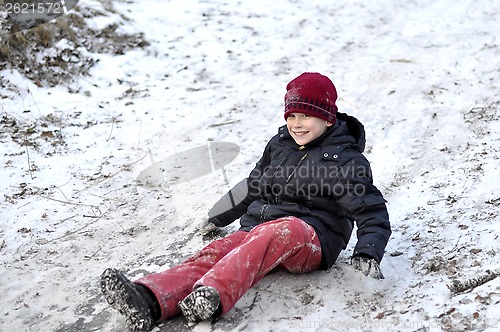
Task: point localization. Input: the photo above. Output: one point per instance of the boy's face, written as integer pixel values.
(305, 128)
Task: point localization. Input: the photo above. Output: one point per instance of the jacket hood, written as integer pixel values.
(347, 131)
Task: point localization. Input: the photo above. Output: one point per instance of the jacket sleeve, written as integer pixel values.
(235, 202)
(365, 204)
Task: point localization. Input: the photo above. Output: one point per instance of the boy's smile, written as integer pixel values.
(305, 128)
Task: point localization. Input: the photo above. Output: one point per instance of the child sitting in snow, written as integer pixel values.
(297, 210)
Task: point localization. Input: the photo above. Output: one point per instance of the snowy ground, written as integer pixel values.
(423, 77)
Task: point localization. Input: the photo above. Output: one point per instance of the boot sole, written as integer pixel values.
(118, 292)
(200, 305)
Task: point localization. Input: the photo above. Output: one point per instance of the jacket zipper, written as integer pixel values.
(280, 164)
(295, 169)
(262, 211)
(276, 200)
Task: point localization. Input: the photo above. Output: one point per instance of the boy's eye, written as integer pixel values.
(299, 115)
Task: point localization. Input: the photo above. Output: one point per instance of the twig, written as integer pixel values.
(34, 100)
(223, 124)
(79, 229)
(114, 174)
(112, 127)
(107, 198)
(87, 257)
(140, 132)
(29, 162)
(62, 193)
(455, 247)
(71, 203)
(458, 286)
(60, 222)
(61, 126)
(450, 199)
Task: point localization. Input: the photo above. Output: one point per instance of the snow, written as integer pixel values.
(422, 76)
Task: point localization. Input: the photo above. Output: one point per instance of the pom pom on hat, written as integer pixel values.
(313, 94)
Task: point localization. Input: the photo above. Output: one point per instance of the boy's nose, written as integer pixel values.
(297, 122)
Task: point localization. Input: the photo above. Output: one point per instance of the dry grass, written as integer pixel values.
(36, 55)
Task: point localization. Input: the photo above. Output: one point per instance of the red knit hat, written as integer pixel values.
(313, 94)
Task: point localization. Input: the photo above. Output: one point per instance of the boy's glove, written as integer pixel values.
(208, 227)
(210, 231)
(368, 266)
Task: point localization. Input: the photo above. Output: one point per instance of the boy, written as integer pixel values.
(297, 211)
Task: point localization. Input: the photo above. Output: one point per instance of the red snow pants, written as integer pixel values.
(233, 264)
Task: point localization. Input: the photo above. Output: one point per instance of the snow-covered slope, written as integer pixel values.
(423, 77)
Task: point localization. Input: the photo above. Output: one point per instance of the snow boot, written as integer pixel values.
(133, 301)
(201, 304)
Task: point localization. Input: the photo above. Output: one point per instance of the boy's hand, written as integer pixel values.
(210, 231)
(368, 266)
(208, 227)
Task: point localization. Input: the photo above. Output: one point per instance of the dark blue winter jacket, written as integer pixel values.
(327, 183)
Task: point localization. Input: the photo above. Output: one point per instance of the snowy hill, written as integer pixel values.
(422, 76)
